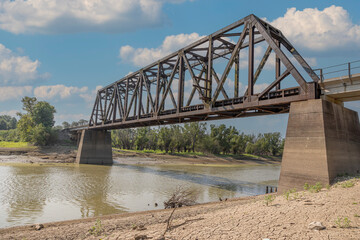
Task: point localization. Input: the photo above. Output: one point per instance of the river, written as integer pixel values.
(36, 193)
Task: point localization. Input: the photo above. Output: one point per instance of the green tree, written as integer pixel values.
(164, 139)
(29, 104)
(43, 113)
(193, 133)
(25, 126)
(36, 125)
(66, 125)
(141, 138)
(3, 125)
(40, 135)
(177, 137)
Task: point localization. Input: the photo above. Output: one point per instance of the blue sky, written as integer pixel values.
(62, 51)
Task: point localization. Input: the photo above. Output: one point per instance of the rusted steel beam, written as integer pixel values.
(114, 102)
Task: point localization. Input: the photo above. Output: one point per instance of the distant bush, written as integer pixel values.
(9, 135)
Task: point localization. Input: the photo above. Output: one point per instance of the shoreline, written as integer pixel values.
(238, 218)
(67, 154)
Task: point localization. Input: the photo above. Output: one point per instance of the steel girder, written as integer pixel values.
(155, 94)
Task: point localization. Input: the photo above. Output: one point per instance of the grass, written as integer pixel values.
(97, 229)
(269, 199)
(4, 144)
(313, 188)
(288, 193)
(347, 184)
(343, 222)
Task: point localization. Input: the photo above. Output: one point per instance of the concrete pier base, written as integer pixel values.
(94, 148)
(322, 141)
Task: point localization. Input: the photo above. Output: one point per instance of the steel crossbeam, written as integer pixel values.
(156, 94)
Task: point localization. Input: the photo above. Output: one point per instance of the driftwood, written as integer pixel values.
(180, 197)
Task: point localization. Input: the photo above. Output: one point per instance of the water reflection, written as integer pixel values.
(244, 187)
(43, 193)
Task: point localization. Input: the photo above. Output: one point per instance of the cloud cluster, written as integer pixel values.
(9, 93)
(60, 91)
(66, 16)
(17, 70)
(319, 30)
(143, 56)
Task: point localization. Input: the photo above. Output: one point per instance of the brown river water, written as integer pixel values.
(36, 193)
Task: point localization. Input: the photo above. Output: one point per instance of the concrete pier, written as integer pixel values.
(322, 141)
(94, 148)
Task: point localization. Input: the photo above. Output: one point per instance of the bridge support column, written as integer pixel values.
(94, 148)
(322, 141)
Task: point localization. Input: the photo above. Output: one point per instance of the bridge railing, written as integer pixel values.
(338, 70)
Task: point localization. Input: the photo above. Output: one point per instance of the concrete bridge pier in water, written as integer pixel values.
(94, 147)
(322, 141)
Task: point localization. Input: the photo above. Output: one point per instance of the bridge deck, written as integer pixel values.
(344, 88)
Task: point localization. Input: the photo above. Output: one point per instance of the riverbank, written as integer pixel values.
(67, 154)
(337, 208)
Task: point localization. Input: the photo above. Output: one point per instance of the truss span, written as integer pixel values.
(203, 81)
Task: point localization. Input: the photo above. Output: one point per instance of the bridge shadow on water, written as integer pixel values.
(243, 187)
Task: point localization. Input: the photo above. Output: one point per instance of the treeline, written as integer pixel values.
(7, 122)
(196, 137)
(81, 122)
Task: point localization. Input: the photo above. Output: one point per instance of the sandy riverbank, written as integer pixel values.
(67, 154)
(246, 218)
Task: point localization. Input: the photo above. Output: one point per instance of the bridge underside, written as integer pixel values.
(276, 102)
(342, 89)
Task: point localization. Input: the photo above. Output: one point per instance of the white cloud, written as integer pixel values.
(89, 97)
(11, 113)
(143, 56)
(52, 16)
(10, 93)
(62, 91)
(16, 70)
(70, 117)
(319, 30)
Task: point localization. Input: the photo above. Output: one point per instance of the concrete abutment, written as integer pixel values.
(94, 147)
(322, 141)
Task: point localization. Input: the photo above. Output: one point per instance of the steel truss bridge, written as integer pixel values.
(155, 94)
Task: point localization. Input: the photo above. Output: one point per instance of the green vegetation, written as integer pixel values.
(7, 122)
(81, 122)
(14, 144)
(9, 135)
(97, 229)
(313, 188)
(287, 194)
(343, 222)
(195, 138)
(269, 199)
(347, 184)
(36, 126)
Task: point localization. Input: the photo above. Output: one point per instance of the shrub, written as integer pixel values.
(343, 222)
(269, 199)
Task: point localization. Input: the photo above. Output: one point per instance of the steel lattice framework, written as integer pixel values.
(155, 94)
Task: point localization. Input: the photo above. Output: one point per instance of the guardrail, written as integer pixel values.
(333, 71)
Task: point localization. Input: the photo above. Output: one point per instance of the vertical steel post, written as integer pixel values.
(251, 63)
(141, 79)
(209, 69)
(277, 67)
(236, 89)
(115, 99)
(158, 88)
(105, 105)
(126, 100)
(321, 75)
(181, 83)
